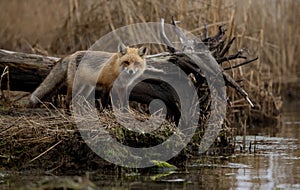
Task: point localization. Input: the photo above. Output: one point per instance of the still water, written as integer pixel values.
(272, 162)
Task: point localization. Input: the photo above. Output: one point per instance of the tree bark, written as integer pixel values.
(25, 71)
(198, 60)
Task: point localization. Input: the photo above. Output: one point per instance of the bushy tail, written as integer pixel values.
(52, 82)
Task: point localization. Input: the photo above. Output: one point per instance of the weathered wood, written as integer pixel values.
(26, 71)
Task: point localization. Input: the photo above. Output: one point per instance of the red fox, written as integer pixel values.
(97, 69)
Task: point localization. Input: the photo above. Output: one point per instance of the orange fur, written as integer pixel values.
(98, 68)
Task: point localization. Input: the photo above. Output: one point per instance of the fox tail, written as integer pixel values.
(53, 81)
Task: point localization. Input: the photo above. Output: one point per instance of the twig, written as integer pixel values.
(217, 37)
(165, 38)
(158, 55)
(179, 32)
(237, 87)
(231, 57)
(241, 64)
(46, 151)
(5, 72)
(205, 31)
(225, 50)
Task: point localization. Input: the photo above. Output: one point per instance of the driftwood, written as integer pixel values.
(27, 71)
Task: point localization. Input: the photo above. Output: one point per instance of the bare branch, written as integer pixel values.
(165, 38)
(237, 87)
(231, 57)
(183, 39)
(241, 64)
(205, 31)
(217, 37)
(226, 49)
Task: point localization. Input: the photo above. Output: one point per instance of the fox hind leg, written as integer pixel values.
(68, 99)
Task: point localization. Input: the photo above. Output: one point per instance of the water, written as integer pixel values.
(271, 162)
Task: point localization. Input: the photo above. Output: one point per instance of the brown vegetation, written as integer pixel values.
(20, 64)
(266, 29)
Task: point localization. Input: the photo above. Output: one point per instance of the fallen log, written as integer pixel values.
(27, 71)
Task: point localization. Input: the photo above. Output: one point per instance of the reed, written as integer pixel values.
(266, 29)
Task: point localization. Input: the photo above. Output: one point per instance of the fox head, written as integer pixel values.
(132, 60)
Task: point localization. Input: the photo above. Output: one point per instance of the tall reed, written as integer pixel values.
(266, 28)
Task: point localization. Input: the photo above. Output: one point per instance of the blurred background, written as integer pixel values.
(266, 28)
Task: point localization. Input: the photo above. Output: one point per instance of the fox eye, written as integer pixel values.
(126, 63)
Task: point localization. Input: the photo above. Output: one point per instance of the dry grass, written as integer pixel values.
(265, 28)
(50, 140)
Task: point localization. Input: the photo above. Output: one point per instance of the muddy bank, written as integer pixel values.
(49, 140)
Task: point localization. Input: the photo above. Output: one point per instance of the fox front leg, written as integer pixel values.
(122, 96)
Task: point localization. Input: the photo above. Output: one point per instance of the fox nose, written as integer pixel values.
(130, 71)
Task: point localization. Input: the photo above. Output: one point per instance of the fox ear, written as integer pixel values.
(122, 48)
(142, 51)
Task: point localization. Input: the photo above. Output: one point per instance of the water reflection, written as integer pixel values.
(276, 161)
(272, 162)
(276, 166)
